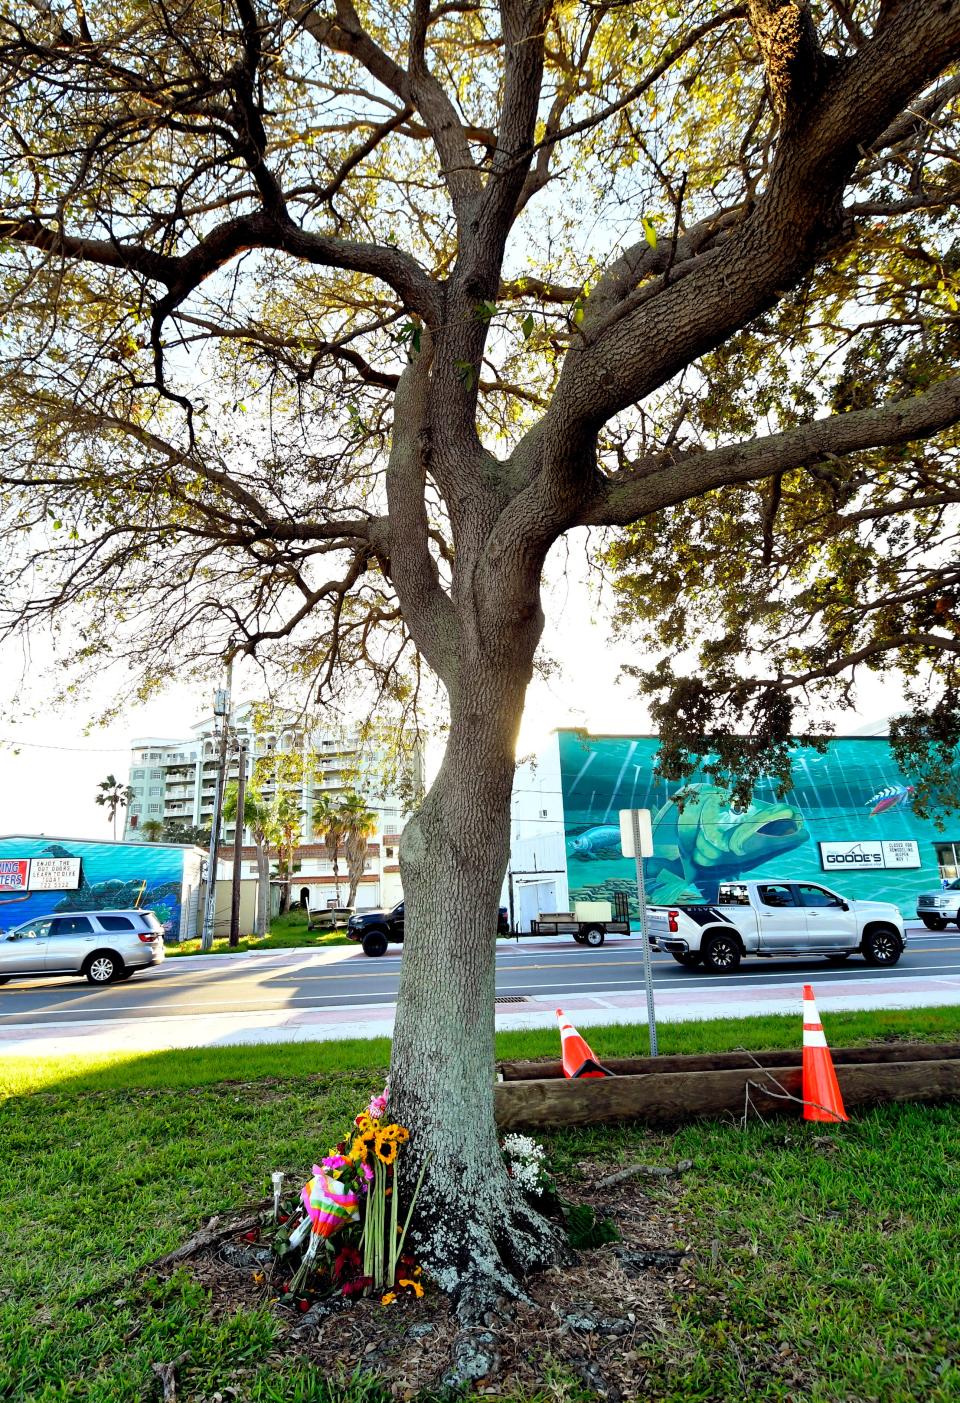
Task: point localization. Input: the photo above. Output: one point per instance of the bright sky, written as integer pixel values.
(50, 765)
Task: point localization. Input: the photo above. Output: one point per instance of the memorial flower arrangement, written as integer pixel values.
(525, 1159)
(353, 1196)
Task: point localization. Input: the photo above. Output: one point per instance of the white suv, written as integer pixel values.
(104, 945)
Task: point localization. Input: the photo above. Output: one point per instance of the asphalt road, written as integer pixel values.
(180, 988)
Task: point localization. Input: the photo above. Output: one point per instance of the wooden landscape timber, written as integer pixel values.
(666, 1097)
(720, 1061)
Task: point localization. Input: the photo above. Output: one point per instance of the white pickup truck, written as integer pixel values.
(771, 919)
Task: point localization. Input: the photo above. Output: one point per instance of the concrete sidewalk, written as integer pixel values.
(376, 1020)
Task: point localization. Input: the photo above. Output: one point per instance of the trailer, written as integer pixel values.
(329, 918)
(590, 922)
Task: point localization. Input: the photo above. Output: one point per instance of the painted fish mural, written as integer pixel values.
(892, 796)
(596, 843)
(706, 843)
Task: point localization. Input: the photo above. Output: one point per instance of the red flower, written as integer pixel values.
(354, 1288)
(251, 1236)
(303, 1305)
(346, 1264)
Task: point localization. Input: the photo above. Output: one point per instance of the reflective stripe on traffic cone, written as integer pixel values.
(578, 1060)
(821, 1093)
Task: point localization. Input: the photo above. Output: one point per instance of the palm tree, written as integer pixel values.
(329, 825)
(257, 814)
(360, 824)
(113, 795)
(152, 830)
(285, 827)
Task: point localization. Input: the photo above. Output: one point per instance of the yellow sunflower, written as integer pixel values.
(385, 1149)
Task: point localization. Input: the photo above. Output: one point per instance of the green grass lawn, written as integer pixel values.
(834, 1274)
(287, 932)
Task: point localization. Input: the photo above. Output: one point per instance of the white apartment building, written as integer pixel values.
(175, 781)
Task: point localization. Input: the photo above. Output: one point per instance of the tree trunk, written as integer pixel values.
(356, 866)
(263, 888)
(473, 1229)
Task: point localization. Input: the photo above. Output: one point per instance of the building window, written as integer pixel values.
(153, 808)
(155, 789)
(948, 860)
(388, 852)
(136, 774)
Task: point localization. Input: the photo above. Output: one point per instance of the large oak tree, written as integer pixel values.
(323, 322)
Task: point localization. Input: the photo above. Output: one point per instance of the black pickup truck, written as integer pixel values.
(375, 930)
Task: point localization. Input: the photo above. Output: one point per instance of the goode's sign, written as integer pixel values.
(869, 856)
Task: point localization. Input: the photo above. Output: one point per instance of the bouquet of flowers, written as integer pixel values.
(353, 1193)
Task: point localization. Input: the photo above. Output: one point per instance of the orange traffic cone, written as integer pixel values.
(578, 1060)
(821, 1092)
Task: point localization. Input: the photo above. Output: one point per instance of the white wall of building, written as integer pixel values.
(537, 874)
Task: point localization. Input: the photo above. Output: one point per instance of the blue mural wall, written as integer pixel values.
(852, 793)
(112, 875)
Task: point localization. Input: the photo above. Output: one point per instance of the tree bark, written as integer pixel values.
(356, 848)
(473, 1229)
(263, 888)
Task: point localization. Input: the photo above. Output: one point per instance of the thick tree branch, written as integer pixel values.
(412, 568)
(794, 62)
(181, 275)
(797, 216)
(665, 483)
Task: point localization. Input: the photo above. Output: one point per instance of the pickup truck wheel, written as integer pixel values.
(882, 945)
(689, 959)
(721, 954)
(374, 943)
(935, 922)
(594, 936)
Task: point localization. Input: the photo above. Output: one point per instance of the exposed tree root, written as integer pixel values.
(482, 1266)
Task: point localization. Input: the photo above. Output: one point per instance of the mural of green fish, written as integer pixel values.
(708, 842)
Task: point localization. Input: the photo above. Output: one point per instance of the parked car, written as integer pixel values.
(106, 946)
(375, 930)
(937, 908)
(771, 919)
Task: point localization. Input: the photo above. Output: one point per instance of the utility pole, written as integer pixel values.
(238, 844)
(221, 708)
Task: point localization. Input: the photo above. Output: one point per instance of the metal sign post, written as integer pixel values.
(636, 841)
